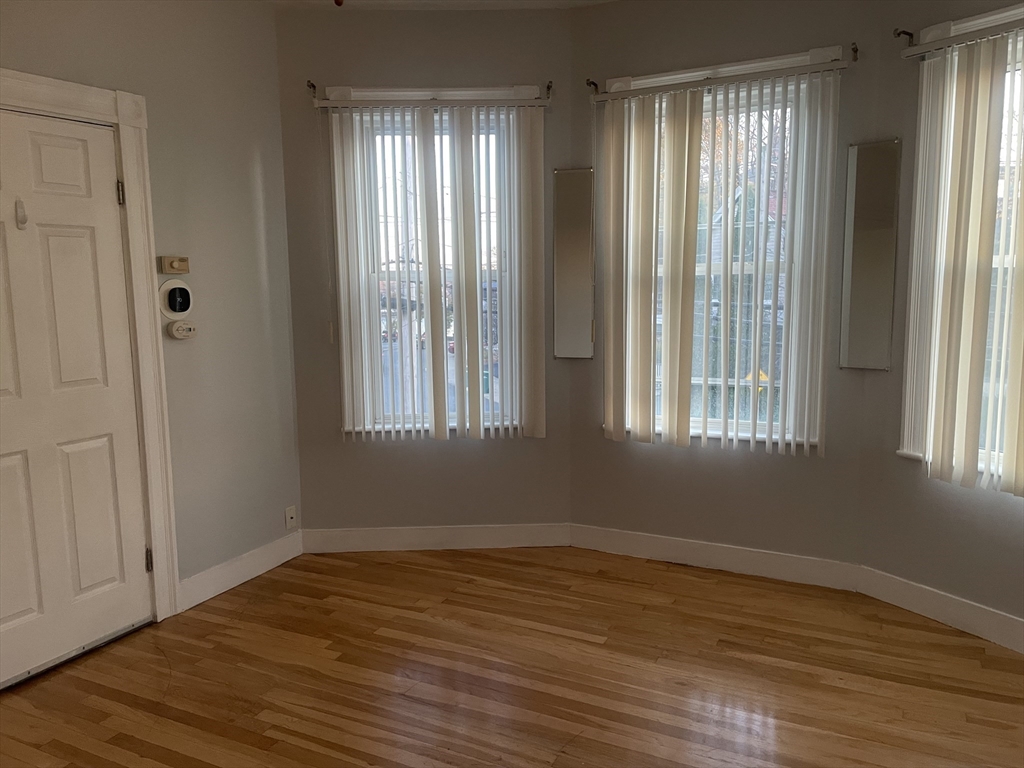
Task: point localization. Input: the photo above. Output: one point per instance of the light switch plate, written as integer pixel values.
(174, 265)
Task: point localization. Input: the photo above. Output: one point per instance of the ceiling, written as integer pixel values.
(444, 5)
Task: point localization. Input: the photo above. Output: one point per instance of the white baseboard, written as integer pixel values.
(996, 626)
(211, 582)
(974, 618)
(988, 623)
(435, 537)
(720, 557)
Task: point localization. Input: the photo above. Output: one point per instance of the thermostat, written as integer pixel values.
(175, 299)
(181, 329)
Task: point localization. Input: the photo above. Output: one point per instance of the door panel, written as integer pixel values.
(72, 524)
(19, 560)
(90, 509)
(71, 288)
(60, 164)
(9, 381)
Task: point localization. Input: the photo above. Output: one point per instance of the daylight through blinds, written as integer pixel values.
(439, 215)
(714, 217)
(963, 410)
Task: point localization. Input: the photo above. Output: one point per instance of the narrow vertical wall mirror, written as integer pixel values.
(869, 255)
(574, 263)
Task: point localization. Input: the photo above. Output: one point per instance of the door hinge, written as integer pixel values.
(149, 560)
(120, 192)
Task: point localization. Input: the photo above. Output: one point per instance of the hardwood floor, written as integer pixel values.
(526, 657)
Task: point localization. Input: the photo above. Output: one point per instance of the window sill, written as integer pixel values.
(744, 437)
(408, 430)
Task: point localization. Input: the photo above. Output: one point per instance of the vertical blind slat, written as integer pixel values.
(782, 195)
(787, 435)
(744, 198)
(489, 248)
(706, 331)
(505, 316)
(611, 220)
(730, 142)
(762, 176)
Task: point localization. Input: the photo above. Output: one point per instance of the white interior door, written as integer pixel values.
(72, 524)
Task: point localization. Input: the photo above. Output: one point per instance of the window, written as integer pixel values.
(440, 256)
(716, 206)
(963, 412)
(744, 190)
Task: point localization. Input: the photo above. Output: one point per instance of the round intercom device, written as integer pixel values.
(175, 299)
(181, 329)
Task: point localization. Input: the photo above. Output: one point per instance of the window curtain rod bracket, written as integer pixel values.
(898, 33)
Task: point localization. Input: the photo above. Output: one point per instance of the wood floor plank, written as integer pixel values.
(13, 750)
(528, 658)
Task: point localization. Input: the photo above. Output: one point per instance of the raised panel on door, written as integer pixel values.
(89, 491)
(19, 556)
(10, 383)
(72, 293)
(60, 164)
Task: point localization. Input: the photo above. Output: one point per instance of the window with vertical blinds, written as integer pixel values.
(963, 411)
(715, 206)
(439, 214)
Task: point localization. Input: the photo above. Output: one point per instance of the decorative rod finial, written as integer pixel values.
(592, 84)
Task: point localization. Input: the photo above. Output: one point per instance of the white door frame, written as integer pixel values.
(126, 114)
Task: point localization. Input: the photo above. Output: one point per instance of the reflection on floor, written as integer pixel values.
(526, 657)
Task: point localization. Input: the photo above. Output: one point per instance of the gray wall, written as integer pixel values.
(208, 71)
(210, 74)
(860, 502)
(423, 482)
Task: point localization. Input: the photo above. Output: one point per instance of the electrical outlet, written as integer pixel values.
(290, 517)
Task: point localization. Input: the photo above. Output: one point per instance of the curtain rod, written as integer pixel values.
(771, 74)
(923, 49)
(362, 103)
(405, 100)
